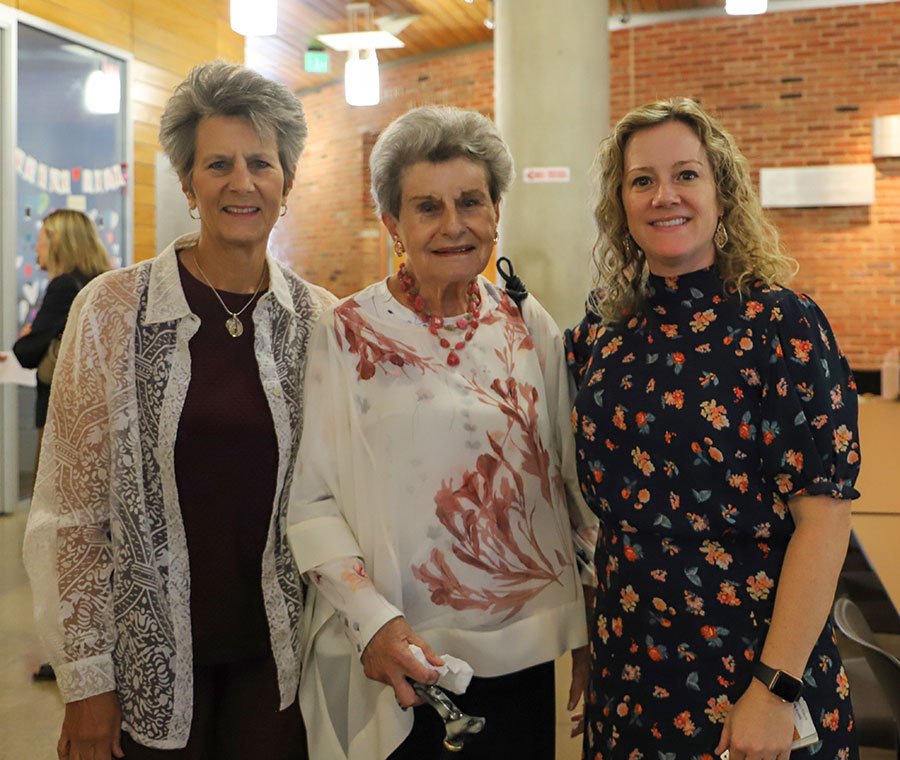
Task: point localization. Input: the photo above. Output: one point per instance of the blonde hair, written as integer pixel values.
(74, 245)
(752, 252)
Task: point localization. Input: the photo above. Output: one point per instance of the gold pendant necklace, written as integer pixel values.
(233, 324)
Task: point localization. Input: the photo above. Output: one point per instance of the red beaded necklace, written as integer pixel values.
(466, 324)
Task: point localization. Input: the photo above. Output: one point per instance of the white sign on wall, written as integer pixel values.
(886, 136)
(811, 186)
(532, 174)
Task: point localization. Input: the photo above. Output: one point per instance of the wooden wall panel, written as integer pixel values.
(107, 22)
(166, 38)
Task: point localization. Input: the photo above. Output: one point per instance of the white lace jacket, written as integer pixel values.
(105, 546)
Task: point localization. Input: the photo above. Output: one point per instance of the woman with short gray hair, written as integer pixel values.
(435, 502)
(164, 585)
(436, 134)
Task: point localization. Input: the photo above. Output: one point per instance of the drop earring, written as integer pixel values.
(720, 238)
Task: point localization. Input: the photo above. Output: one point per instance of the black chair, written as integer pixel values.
(882, 673)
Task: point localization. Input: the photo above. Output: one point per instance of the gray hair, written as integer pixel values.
(437, 134)
(228, 89)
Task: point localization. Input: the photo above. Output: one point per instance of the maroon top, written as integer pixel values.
(226, 464)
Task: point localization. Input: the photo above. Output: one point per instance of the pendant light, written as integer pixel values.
(362, 84)
(254, 18)
(103, 90)
(745, 7)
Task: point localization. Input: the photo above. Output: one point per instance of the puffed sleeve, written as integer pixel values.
(560, 398)
(67, 550)
(809, 434)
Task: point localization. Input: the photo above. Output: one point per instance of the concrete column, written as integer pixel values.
(551, 93)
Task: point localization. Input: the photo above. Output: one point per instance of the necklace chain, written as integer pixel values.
(466, 324)
(233, 324)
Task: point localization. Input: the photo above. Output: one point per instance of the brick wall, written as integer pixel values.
(330, 233)
(798, 88)
(795, 88)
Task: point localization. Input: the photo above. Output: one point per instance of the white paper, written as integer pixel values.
(12, 373)
(455, 673)
(804, 726)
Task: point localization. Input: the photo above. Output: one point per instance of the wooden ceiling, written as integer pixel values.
(440, 24)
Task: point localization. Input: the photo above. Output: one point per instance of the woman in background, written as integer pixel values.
(717, 442)
(70, 252)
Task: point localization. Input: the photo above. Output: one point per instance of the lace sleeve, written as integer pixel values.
(67, 548)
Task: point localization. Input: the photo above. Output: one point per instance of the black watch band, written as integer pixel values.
(782, 685)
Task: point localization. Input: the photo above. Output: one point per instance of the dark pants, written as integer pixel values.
(236, 717)
(521, 720)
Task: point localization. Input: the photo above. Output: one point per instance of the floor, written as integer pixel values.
(31, 713)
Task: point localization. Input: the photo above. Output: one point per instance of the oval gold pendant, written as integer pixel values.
(234, 326)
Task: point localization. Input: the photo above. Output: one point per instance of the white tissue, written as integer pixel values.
(455, 673)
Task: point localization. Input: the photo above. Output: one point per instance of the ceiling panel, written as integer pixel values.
(440, 24)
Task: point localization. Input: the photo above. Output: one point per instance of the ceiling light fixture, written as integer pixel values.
(254, 18)
(103, 90)
(362, 85)
(489, 19)
(745, 7)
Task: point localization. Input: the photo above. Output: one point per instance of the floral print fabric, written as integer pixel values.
(457, 488)
(695, 421)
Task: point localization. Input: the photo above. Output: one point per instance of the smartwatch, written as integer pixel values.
(782, 685)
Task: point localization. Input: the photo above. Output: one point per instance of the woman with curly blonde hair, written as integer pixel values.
(751, 249)
(716, 439)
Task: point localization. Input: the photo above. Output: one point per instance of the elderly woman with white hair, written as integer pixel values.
(436, 502)
(164, 585)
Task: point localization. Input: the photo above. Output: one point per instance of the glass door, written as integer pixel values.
(9, 462)
(68, 147)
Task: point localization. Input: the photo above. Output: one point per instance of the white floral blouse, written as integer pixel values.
(455, 485)
(105, 546)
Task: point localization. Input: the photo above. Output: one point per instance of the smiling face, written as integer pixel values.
(447, 221)
(670, 199)
(237, 183)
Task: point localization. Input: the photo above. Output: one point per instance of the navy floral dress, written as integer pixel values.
(695, 422)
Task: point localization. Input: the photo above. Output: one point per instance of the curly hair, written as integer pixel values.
(752, 252)
(436, 134)
(229, 89)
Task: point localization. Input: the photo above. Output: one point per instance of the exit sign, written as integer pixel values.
(315, 62)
